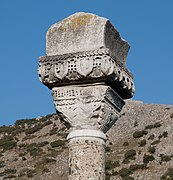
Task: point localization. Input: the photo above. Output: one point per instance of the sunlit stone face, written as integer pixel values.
(85, 68)
(84, 32)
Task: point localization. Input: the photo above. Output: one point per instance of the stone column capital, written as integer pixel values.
(88, 106)
(96, 66)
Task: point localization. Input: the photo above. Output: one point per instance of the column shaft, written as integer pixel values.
(86, 158)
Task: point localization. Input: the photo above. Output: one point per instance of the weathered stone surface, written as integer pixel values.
(85, 32)
(89, 106)
(85, 69)
(86, 48)
(82, 149)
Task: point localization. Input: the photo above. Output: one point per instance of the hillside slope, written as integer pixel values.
(139, 146)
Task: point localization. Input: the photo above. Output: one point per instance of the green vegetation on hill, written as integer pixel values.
(140, 144)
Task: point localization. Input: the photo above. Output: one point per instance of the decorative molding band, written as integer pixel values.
(86, 67)
(84, 133)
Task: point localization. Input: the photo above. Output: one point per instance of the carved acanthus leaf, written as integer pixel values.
(98, 105)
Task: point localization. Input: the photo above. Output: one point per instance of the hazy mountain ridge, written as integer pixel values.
(139, 146)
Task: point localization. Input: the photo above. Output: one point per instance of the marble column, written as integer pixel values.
(85, 67)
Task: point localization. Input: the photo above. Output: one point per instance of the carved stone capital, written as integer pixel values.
(91, 106)
(89, 67)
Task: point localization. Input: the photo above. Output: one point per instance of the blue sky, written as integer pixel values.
(146, 25)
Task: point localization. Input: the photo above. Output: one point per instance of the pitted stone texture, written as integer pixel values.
(83, 32)
(89, 106)
(89, 67)
(86, 159)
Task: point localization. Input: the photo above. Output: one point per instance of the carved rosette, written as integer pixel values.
(91, 106)
(86, 67)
